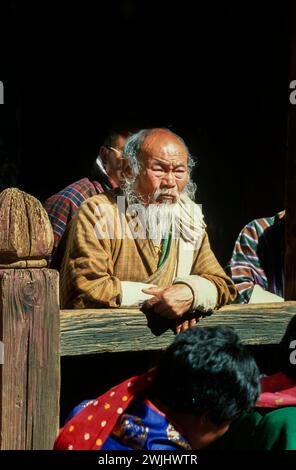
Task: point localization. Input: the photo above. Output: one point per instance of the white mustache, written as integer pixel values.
(164, 191)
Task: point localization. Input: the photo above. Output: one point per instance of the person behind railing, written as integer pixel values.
(105, 175)
(204, 380)
(257, 263)
(145, 244)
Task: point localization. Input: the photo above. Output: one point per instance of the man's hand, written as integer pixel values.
(182, 324)
(170, 302)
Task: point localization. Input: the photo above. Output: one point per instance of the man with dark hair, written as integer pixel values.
(204, 380)
(105, 175)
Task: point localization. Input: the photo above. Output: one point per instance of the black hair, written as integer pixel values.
(288, 348)
(113, 133)
(207, 371)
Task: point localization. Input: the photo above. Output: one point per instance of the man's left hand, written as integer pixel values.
(170, 302)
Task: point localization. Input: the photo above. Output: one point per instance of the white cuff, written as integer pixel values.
(132, 295)
(260, 296)
(204, 292)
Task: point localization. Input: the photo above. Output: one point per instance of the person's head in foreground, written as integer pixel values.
(204, 380)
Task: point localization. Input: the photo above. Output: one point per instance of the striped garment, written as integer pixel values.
(94, 264)
(62, 206)
(258, 257)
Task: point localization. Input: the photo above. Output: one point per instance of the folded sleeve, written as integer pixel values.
(219, 290)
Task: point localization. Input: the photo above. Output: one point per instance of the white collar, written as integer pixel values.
(100, 165)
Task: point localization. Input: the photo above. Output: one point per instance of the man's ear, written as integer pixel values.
(126, 170)
(103, 152)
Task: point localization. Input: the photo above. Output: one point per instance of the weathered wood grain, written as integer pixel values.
(30, 375)
(26, 231)
(118, 330)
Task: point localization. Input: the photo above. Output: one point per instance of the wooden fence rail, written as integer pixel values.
(120, 330)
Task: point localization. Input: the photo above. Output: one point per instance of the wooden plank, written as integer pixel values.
(290, 252)
(30, 375)
(118, 330)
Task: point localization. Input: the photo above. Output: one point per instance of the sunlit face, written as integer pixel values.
(164, 168)
(111, 157)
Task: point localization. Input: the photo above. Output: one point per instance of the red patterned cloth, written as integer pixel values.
(89, 429)
(277, 390)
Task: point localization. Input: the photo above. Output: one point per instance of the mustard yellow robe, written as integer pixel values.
(101, 251)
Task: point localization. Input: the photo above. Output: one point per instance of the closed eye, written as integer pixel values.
(180, 172)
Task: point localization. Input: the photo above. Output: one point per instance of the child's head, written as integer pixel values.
(208, 370)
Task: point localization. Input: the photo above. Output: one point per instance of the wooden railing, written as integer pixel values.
(122, 329)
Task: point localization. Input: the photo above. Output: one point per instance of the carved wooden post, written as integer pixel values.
(29, 325)
(290, 257)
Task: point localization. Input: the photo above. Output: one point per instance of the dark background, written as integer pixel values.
(215, 72)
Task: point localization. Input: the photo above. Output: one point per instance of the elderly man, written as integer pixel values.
(146, 242)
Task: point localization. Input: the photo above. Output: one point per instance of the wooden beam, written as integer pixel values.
(290, 252)
(118, 330)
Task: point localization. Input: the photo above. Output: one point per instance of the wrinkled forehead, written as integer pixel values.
(165, 147)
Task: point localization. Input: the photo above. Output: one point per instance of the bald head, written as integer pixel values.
(162, 162)
(163, 143)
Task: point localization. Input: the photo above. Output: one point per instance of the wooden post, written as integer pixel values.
(290, 257)
(29, 326)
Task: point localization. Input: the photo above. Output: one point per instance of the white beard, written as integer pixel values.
(183, 219)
